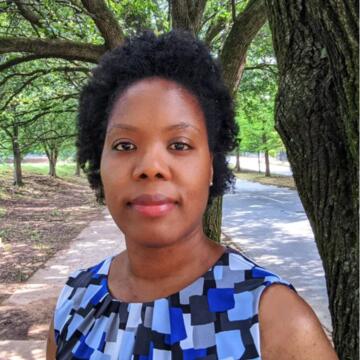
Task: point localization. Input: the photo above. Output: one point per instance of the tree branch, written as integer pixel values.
(105, 21)
(233, 10)
(17, 92)
(244, 29)
(214, 29)
(269, 67)
(27, 13)
(65, 69)
(63, 49)
(19, 60)
(187, 15)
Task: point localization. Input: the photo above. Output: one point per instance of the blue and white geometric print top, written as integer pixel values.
(215, 317)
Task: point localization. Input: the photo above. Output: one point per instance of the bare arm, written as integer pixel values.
(289, 328)
(51, 344)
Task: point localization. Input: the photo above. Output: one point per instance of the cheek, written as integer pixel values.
(197, 187)
(111, 175)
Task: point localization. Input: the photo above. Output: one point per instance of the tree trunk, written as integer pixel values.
(316, 118)
(52, 167)
(212, 220)
(233, 54)
(237, 166)
(187, 15)
(18, 180)
(52, 155)
(52, 162)
(267, 162)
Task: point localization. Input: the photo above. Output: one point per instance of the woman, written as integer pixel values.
(155, 124)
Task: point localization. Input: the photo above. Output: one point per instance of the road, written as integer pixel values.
(270, 226)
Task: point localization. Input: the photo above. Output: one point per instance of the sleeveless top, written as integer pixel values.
(215, 317)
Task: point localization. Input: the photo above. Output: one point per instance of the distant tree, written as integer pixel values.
(30, 96)
(255, 100)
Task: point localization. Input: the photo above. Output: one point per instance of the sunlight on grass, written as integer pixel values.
(277, 180)
(63, 169)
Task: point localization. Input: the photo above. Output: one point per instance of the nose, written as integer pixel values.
(151, 164)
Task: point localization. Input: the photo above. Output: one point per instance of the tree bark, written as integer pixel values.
(52, 167)
(267, 164)
(266, 153)
(27, 13)
(317, 117)
(212, 219)
(18, 180)
(45, 48)
(105, 21)
(52, 155)
(338, 27)
(187, 14)
(233, 55)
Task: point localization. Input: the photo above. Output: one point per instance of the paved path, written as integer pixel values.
(269, 224)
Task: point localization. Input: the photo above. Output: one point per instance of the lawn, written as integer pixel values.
(277, 180)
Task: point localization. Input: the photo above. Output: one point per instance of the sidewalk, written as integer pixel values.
(98, 240)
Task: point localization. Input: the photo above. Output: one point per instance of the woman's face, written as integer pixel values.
(156, 144)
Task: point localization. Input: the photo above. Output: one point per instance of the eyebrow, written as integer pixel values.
(181, 125)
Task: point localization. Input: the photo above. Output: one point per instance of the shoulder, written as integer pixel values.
(80, 287)
(298, 332)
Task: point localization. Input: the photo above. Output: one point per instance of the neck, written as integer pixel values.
(161, 263)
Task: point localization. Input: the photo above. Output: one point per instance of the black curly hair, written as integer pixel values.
(175, 56)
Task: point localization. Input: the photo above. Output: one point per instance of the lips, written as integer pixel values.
(152, 199)
(153, 205)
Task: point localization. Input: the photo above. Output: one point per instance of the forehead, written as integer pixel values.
(159, 98)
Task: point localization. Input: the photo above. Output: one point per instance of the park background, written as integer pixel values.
(292, 69)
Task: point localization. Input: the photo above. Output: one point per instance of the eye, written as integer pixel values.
(181, 144)
(123, 146)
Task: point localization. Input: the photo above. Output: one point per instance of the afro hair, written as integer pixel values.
(176, 56)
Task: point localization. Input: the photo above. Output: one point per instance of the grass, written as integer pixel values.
(63, 168)
(276, 180)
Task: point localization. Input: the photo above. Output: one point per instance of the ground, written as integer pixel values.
(36, 221)
(277, 180)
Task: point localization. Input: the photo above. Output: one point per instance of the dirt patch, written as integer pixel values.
(28, 322)
(36, 221)
(39, 219)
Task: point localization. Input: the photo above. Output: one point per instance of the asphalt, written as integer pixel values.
(267, 223)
